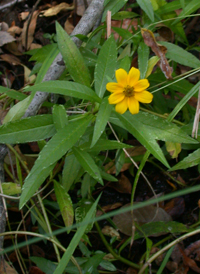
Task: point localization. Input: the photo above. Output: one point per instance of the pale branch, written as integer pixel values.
(90, 17)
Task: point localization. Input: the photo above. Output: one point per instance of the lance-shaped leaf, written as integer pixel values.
(143, 56)
(72, 57)
(105, 67)
(18, 110)
(60, 117)
(147, 7)
(142, 133)
(101, 120)
(192, 159)
(70, 171)
(180, 55)
(61, 142)
(28, 129)
(13, 93)
(67, 88)
(88, 163)
(65, 204)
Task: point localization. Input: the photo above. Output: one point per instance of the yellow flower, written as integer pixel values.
(128, 91)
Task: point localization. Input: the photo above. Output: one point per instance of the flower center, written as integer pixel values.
(128, 91)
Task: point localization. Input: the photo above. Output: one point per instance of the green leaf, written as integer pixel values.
(72, 57)
(70, 171)
(183, 101)
(146, 6)
(113, 6)
(44, 265)
(61, 142)
(173, 148)
(76, 239)
(11, 188)
(46, 64)
(143, 57)
(82, 209)
(124, 33)
(180, 55)
(151, 63)
(60, 117)
(101, 120)
(142, 133)
(190, 8)
(17, 111)
(192, 159)
(105, 67)
(162, 129)
(88, 164)
(13, 93)
(124, 15)
(27, 130)
(65, 204)
(67, 88)
(172, 6)
(102, 145)
(161, 227)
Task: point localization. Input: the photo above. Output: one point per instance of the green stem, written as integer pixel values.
(166, 173)
(110, 249)
(143, 162)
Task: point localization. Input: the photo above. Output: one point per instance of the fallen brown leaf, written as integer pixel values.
(68, 27)
(31, 30)
(159, 50)
(56, 9)
(123, 185)
(6, 268)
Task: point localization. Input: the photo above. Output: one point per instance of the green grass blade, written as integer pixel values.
(76, 239)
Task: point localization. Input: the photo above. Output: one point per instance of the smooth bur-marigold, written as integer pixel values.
(128, 91)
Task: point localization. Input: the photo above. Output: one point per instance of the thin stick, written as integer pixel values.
(108, 21)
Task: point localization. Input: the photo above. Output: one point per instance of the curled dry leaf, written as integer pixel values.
(11, 59)
(141, 216)
(159, 50)
(14, 30)
(56, 9)
(23, 15)
(31, 30)
(108, 208)
(194, 249)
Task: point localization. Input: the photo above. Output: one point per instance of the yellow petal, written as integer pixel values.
(114, 87)
(121, 76)
(133, 76)
(133, 105)
(122, 106)
(115, 98)
(143, 97)
(141, 85)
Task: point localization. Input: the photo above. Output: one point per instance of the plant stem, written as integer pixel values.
(110, 249)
